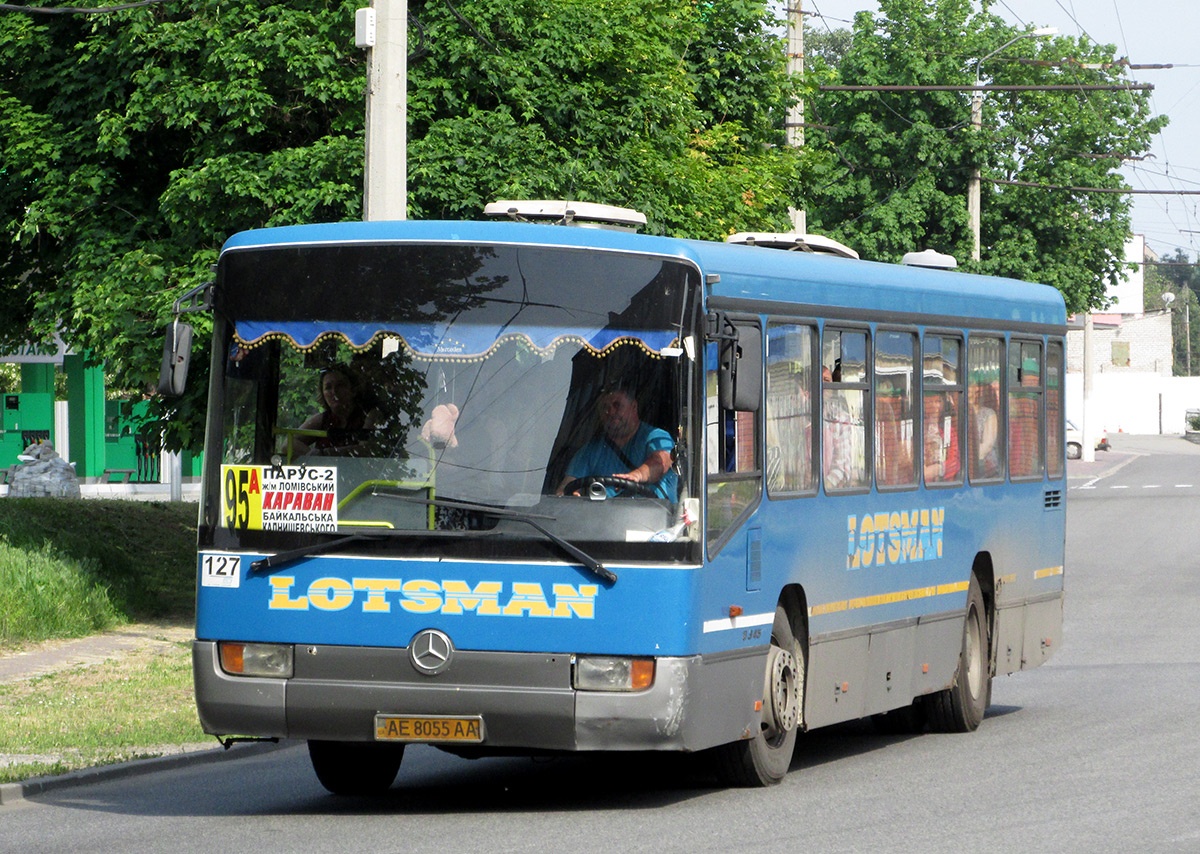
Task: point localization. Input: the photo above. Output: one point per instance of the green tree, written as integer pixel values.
(903, 159)
(134, 143)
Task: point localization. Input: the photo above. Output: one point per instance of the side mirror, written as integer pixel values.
(739, 383)
(177, 355)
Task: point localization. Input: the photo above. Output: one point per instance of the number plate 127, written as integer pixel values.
(220, 570)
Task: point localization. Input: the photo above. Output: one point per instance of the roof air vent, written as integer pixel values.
(794, 242)
(586, 214)
(929, 258)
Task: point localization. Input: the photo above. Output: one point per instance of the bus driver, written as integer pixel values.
(628, 448)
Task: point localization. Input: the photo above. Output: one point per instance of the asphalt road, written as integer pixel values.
(1095, 751)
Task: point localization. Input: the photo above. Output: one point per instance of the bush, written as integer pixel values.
(44, 595)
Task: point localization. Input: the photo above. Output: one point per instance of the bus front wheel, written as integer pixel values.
(764, 758)
(960, 707)
(355, 767)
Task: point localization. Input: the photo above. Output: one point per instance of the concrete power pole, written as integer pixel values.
(795, 116)
(385, 35)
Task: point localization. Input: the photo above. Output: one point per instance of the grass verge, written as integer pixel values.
(124, 708)
(45, 595)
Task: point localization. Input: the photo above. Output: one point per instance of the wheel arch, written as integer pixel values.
(793, 600)
(985, 574)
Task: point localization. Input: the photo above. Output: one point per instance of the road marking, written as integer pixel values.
(1118, 487)
(1183, 486)
(1150, 486)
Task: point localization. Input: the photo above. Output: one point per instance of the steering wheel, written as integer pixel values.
(583, 484)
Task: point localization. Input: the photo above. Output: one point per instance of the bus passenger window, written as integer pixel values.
(894, 392)
(789, 415)
(1024, 409)
(985, 445)
(1054, 409)
(943, 393)
(844, 415)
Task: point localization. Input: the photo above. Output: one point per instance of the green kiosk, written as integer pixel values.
(106, 440)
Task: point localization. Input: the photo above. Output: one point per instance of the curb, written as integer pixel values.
(11, 793)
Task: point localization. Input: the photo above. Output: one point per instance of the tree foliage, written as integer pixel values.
(903, 159)
(132, 144)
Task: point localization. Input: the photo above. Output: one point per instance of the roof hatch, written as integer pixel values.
(794, 242)
(586, 214)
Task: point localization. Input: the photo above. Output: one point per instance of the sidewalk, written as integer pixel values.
(131, 491)
(49, 656)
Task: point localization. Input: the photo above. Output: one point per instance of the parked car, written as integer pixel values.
(1075, 441)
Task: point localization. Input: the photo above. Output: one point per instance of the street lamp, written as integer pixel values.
(1168, 298)
(977, 123)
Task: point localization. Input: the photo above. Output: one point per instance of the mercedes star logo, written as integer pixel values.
(431, 651)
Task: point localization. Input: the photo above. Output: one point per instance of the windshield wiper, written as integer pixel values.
(530, 519)
(277, 561)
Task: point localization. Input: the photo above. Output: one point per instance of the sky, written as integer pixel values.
(1148, 32)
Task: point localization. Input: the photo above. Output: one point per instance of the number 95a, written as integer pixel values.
(237, 498)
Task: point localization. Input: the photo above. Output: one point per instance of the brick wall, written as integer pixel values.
(1138, 345)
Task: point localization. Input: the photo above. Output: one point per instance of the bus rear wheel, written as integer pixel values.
(960, 707)
(763, 759)
(355, 767)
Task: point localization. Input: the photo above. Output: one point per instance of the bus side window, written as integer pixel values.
(844, 410)
(789, 409)
(895, 462)
(731, 454)
(1025, 409)
(943, 393)
(985, 440)
(1054, 409)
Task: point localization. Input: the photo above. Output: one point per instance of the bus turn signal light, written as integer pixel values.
(613, 673)
(257, 659)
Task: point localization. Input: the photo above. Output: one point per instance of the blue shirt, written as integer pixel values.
(598, 458)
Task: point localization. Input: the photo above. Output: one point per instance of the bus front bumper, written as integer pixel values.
(526, 700)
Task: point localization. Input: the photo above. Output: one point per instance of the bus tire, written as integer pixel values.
(960, 707)
(355, 767)
(764, 758)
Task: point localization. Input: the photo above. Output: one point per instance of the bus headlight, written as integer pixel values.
(613, 673)
(257, 659)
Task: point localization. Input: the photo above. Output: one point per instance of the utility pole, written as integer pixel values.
(795, 115)
(384, 32)
(973, 203)
(1089, 443)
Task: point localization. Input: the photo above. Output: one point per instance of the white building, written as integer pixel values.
(1133, 390)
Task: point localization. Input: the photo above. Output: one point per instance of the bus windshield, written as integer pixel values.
(429, 391)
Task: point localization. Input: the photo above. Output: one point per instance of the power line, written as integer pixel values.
(76, 10)
(993, 87)
(1093, 189)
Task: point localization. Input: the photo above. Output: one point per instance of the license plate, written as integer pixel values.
(429, 728)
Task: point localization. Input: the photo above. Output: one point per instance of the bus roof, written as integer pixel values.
(806, 282)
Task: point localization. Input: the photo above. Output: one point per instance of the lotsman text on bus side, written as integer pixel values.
(877, 539)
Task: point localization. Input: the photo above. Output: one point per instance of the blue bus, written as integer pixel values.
(418, 524)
